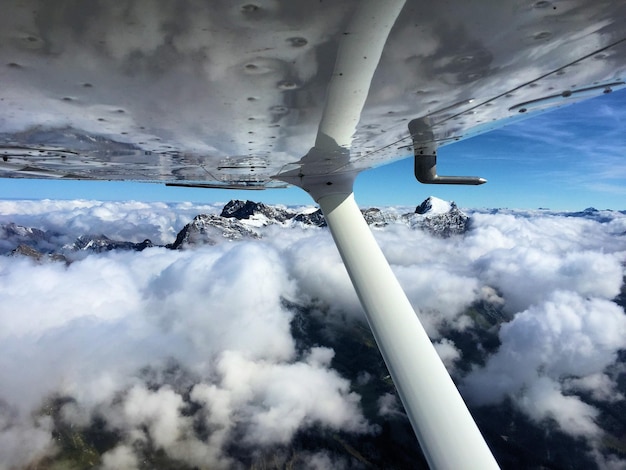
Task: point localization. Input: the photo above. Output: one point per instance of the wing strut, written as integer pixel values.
(444, 427)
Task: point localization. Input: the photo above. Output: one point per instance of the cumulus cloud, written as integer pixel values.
(544, 399)
(388, 404)
(527, 276)
(119, 457)
(131, 220)
(87, 329)
(286, 397)
(193, 352)
(322, 278)
(448, 352)
(22, 441)
(565, 337)
(261, 403)
(600, 386)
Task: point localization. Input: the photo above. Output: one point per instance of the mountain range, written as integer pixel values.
(238, 220)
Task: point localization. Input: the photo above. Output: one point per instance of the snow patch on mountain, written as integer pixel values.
(439, 217)
(434, 205)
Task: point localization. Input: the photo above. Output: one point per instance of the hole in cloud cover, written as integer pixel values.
(219, 355)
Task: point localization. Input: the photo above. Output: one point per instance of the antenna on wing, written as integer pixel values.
(425, 151)
(426, 171)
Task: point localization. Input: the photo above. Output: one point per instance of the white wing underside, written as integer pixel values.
(226, 94)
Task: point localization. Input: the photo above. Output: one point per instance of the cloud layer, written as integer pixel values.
(192, 352)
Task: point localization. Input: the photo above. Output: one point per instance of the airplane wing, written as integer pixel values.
(228, 94)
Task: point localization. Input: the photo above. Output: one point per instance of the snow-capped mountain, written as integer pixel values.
(435, 215)
(101, 243)
(377, 218)
(209, 230)
(242, 219)
(434, 206)
(13, 235)
(257, 214)
(255, 211)
(315, 218)
(238, 220)
(30, 252)
(439, 217)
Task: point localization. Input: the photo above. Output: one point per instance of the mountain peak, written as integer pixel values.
(434, 205)
(209, 229)
(239, 209)
(102, 243)
(439, 217)
(246, 210)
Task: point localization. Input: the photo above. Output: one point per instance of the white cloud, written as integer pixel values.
(323, 461)
(23, 441)
(440, 296)
(527, 276)
(283, 398)
(119, 457)
(566, 336)
(544, 399)
(448, 352)
(159, 411)
(217, 314)
(388, 404)
(316, 265)
(85, 331)
(600, 386)
(131, 221)
(70, 292)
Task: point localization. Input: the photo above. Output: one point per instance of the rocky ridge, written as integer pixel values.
(238, 220)
(209, 230)
(102, 243)
(13, 235)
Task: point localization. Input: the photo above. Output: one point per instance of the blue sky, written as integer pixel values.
(566, 159)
